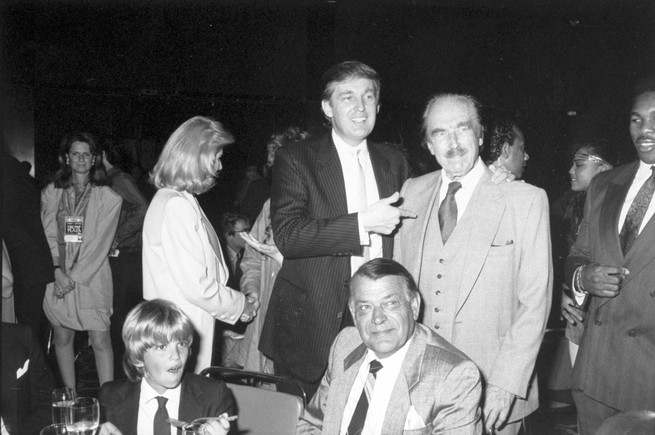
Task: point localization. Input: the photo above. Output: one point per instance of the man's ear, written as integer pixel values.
(505, 150)
(327, 108)
(416, 305)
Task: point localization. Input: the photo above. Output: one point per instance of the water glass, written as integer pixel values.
(83, 416)
(62, 398)
(54, 429)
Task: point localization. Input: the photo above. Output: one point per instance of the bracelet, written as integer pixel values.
(578, 280)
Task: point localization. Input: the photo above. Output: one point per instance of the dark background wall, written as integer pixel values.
(138, 69)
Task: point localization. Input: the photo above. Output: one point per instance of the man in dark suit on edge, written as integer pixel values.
(612, 263)
(333, 207)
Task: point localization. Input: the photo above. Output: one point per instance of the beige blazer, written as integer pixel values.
(91, 271)
(180, 265)
(437, 383)
(488, 290)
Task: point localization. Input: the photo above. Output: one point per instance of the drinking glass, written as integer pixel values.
(62, 398)
(54, 429)
(83, 416)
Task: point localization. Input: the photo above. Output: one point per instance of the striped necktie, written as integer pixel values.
(636, 213)
(359, 416)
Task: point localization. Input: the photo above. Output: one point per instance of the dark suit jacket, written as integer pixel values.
(316, 236)
(200, 397)
(25, 239)
(437, 383)
(26, 386)
(616, 364)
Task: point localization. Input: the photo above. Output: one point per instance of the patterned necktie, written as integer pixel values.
(448, 211)
(636, 213)
(161, 425)
(360, 202)
(359, 416)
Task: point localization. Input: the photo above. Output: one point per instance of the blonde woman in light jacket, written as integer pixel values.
(182, 259)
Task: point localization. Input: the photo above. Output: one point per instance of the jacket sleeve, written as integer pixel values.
(303, 225)
(251, 279)
(97, 245)
(49, 203)
(514, 364)
(458, 402)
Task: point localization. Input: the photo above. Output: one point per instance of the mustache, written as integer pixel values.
(456, 152)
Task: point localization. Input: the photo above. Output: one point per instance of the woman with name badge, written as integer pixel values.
(80, 215)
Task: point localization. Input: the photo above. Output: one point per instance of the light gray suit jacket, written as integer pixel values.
(437, 380)
(488, 290)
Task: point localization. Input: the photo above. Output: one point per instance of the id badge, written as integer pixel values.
(74, 229)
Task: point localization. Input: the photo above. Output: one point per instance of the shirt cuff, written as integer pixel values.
(364, 237)
(578, 293)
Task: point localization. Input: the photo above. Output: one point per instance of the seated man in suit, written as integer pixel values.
(27, 381)
(390, 373)
(158, 336)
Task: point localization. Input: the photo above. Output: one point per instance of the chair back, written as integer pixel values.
(629, 423)
(261, 410)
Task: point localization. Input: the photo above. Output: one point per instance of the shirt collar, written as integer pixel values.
(393, 361)
(644, 169)
(471, 179)
(148, 393)
(343, 147)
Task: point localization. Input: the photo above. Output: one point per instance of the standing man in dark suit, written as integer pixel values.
(612, 262)
(23, 234)
(27, 382)
(332, 206)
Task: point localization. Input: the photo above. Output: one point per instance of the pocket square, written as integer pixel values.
(413, 420)
(22, 370)
(498, 245)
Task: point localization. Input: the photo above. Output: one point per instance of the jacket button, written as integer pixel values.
(442, 261)
(436, 310)
(439, 276)
(346, 283)
(632, 333)
(597, 322)
(652, 294)
(436, 326)
(438, 292)
(339, 315)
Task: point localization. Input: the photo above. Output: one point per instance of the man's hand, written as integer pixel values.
(603, 281)
(108, 429)
(383, 217)
(497, 403)
(250, 308)
(216, 427)
(500, 174)
(571, 312)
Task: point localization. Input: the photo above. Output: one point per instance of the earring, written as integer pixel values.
(93, 161)
(67, 161)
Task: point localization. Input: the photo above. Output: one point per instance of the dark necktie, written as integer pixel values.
(359, 416)
(636, 213)
(448, 211)
(161, 426)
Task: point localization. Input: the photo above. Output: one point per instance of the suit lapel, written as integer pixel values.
(381, 170)
(609, 215)
(330, 174)
(341, 386)
(128, 406)
(408, 377)
(426, 199)
(190, 402)
(480, 222)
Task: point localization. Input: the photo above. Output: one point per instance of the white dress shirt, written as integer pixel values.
(148, 406)
(350, 167)
(469, 183)
(385, 380)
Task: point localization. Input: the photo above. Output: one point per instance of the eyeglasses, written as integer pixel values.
(81, 156)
